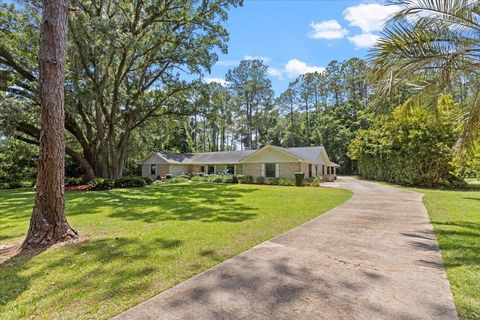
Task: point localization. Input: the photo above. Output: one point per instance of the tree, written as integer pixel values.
(286, 103)
(48, 223)
(304, 88)
(253, 90)
(429, 45)
(18, 163)
(126, 59)
(410, 146)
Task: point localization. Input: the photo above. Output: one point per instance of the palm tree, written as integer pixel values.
(428, 45)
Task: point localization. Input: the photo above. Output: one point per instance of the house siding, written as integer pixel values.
(287, 169)
(162, 170)
(304, 169)
(252, 169)
(179, 169)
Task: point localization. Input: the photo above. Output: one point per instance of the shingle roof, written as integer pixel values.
(224, 157)
(304, 153)
(206, 157)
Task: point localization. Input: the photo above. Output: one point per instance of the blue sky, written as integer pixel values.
(295, 37)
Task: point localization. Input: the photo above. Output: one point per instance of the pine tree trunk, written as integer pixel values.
(48, 223)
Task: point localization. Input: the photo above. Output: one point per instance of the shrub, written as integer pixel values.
(215, 178)
(186, 176)
(129, 182)
(299, 176)
(235, 179)
(410, 146)
(70, 182)
(176, 180)
(16, 184)
(227, 179)
(313, 181)
(101, 184)
(286, 182)
(245, 179)
(259, 180)
(147, 180)
(199, 179)
(271, 181)
(168, 176)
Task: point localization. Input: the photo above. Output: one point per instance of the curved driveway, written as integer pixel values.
(373, 257)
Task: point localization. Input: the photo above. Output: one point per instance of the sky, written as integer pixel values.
(299, 36)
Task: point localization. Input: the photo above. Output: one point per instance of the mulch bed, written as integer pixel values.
(78, 188)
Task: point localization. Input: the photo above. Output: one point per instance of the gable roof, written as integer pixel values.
(309, 154)
(220, 157)
(304, 153)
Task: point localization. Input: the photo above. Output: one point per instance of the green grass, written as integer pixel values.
(455, 215)
(141, 242)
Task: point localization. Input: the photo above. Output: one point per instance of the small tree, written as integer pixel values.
(48, 223)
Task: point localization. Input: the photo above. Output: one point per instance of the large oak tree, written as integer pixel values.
(126, 59)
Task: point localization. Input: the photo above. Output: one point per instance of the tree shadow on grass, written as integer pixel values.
(84, 273)
(460, 242)
(202, 202)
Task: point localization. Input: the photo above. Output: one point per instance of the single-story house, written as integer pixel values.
(269, 161)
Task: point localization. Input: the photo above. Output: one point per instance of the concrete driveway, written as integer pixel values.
(374, 257)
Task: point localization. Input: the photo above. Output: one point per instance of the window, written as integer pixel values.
(202, 169)
(211, 169)
(153, 169)
(270, 170)
(316, 169)
(309, 170)
(230, 169)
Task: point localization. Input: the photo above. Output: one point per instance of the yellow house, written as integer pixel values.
(269, 161)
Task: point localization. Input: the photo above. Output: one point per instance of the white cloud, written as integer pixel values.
(295, 67)
(328, 29)
(369, 16)
(364, 40)
(250, 57)
(227, 63)
(274, 72)
(221, 81)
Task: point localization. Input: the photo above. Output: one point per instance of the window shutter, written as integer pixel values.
(263, 169)
(277, 170)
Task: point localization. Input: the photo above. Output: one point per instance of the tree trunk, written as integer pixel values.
(48, 223)
(292, 124)
(307, 127)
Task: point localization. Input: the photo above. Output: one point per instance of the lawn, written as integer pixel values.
(455, 216)
(141, 242)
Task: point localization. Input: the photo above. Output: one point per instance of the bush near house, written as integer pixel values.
(70, 182)
(313, 181)
(214, 178)
(122, 182)
(412, 146)
(176, 180)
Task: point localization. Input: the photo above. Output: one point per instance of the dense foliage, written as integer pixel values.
(138, 99)
(18, 164)
(124, 65)
(410, 147)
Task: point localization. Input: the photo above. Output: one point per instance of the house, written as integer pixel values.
(269, 161)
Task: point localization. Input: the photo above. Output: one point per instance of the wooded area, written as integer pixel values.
(126, 92)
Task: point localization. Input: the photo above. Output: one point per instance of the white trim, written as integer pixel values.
(277, 170)
(263, 170)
